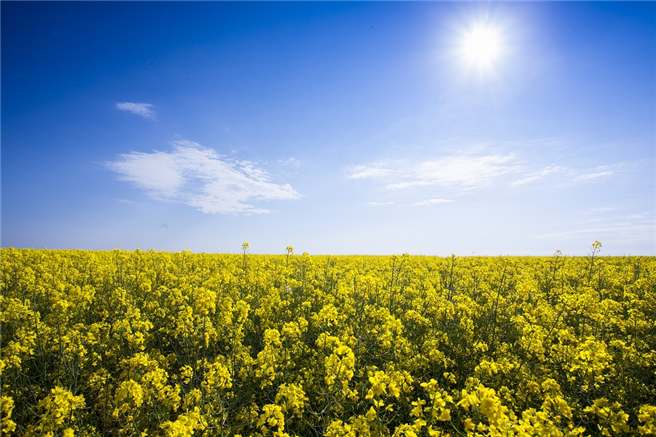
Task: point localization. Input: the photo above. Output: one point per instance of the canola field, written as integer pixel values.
(119, 343)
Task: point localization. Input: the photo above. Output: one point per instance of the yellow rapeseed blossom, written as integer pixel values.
(647, 417)
(292, 399)
(58, 412)
(7, 406)
(175, 343)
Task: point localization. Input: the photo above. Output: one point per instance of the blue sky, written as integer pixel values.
(334, 127)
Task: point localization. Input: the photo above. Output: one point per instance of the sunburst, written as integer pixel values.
(482, 46)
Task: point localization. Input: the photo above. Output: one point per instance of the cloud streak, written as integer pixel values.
(201, 178)
(601, 172)
(606, 226)
(540, 174)
(144, 110)
(433, 202)
(643, 231)
(465, 172)
(460, 171)
(380, 203)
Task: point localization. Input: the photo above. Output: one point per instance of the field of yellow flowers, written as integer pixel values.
(180, 344)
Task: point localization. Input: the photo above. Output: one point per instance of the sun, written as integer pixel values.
(481, 46)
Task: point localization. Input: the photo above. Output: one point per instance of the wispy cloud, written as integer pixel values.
(292, 162)
(463, 172)
(617, 228)
(380, 203)
(573, 176)
(611, 230)
(602, 209)
(143, 109)
(601, 172)
(540, 174)
(376, 170)
(432, 202)
(201, 178)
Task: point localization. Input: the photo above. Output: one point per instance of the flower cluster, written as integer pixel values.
(181, 344)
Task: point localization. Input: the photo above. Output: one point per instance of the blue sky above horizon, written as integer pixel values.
(334, 127)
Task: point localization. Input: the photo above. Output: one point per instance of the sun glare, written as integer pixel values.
(482, 46)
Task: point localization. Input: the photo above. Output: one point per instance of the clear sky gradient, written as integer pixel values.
(336, 127)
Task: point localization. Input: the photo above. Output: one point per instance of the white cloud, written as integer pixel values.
(620, 229)
(380, 203)
(433, 202)
(467, 171)
(129, 202)
(595, 174)
(143, 109)
(641, 215)
(292, 162)
(374, 171)
(611, 230)
(461, 171)
(539, 174)
(603, 209)
(201, 178)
